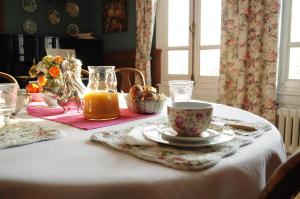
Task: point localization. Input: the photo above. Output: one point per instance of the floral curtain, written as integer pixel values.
(249, 55)
(145, 17)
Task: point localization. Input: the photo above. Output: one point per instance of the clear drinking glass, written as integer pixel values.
(8, 98)
(181, 90)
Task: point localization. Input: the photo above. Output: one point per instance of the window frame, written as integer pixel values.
(286, 86)
(205, 86)
(162, 41)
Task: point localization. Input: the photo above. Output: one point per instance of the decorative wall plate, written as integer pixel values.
(29, 26)
(73, 30)
(72, 9)
(29, 5)
(53, 16)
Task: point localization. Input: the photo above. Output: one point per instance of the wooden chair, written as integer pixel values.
(8, 77)
(284, 183)
(126, 78)
(84, 73)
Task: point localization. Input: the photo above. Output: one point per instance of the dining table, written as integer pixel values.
(75, 166)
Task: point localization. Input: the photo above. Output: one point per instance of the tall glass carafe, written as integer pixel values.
(101, 99)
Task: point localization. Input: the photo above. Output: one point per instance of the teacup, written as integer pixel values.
(189, 119)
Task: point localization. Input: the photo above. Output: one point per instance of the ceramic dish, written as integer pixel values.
(72, 9)
(29, 26)
(29, 5)
(154, 135)
(169, 133)
(73, 30)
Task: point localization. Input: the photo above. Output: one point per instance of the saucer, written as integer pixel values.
(170, 133)
(153, 134)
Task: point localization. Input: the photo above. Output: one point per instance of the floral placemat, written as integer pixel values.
(180, 158)
(17, 133)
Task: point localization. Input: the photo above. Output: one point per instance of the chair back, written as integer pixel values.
(126, 78)
(84, 73)
(285, 181)
(8, 77)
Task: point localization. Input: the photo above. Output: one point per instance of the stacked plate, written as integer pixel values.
(166, 135)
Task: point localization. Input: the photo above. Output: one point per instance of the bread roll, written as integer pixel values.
(149, 96)
(149, 89)
(135, 92)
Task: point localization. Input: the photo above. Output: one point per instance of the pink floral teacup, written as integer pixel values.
(189, 118)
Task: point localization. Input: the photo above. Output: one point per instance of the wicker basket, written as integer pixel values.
(145, 106)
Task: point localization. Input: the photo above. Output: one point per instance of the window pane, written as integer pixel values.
(178, 23)
(178, 62)
(295, 30)
(294, 67)
(209, 62)
(210, 22)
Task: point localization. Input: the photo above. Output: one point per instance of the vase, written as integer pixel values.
(73, 89)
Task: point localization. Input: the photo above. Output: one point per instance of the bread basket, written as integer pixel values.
(145, 106)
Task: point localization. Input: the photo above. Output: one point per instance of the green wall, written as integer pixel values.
(89, 20)
(14, 16)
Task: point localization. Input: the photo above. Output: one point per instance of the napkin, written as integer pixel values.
(236, 125)
(17, 133)
(136, 137)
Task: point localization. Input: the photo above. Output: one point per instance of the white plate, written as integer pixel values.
(154, 135)
(170, 133)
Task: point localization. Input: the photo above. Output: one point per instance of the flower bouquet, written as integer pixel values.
(49, 77)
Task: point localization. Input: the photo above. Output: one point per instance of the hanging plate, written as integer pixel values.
(73, 30)
(29, 5)
(29, 26)
(53, 16)
(72, 9)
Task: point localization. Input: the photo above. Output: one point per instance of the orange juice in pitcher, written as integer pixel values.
(101, 100)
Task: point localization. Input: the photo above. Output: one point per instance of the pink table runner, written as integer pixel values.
(76, 119)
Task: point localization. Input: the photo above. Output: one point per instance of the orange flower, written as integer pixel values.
(58, 59)
(42, 80)
(32, 88)
(54, 71)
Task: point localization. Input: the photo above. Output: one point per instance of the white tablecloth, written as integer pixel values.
(75, 167)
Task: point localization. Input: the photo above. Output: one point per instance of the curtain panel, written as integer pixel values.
(145, 17)
(249, 55)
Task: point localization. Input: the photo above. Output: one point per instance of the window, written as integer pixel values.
(289, 64)
(294, 43)
(174, 36)
(189, 32)
(178, 37)
(210, 36)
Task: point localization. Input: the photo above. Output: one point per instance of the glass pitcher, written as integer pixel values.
(101, 99)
